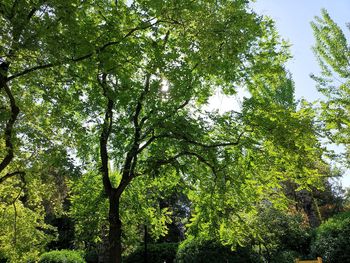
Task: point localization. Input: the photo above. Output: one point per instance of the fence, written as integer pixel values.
(318, 260)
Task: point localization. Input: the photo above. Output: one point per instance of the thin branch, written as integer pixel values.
(31, 13)
(170, 159)
(123, 184)
(175, 135)
(181, 106)
(139, 105)
(202, 160)
(186, 153)
(166, 39)
(86, 56)
(150, 140)
(144, 146)
(9, 175)
(133, 30)
(15, 224)
(145, 118)
(15, 211)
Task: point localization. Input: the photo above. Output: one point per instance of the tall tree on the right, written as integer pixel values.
(332, 51)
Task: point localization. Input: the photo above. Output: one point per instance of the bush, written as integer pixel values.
(207, 251)
(332, 240)
(156, 253)
(91, 256)
(286, 256)
(3, 259)
(61, 256)
(282, 233)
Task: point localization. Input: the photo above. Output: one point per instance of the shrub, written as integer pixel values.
(206, 251)
(286, 256)
(61, 256)
(283, 232)
(91, 256)
(332, 240)
(156, 253)
(3, 259)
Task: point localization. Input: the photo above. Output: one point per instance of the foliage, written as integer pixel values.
(333, 53)
(201, 250)
(61, 256)
(89, 217)
(121, 88)
(333, 239)
(252, 172)
(285, 256)
(157, 253)
(140, 207)
(91, 255)
(24, 233)
(26, 205)
(283, 234)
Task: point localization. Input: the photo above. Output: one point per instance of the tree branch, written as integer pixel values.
(131, 157)
(150, 140)
(145, 118)
(86, 56)
(133, 30)
(106, 131)
(175, 135)
(9, 175)
(28, 70)
(9, 126)
(186, 153)
(31, 13)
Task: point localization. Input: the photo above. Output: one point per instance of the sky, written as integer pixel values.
(293, 19)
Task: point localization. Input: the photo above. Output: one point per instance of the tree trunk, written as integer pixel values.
(115, 229)
(145, 260)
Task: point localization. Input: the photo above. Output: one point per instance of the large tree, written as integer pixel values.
(153, 87)
(120, 86)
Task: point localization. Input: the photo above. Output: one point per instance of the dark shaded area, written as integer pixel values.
(156, 253)
(65, 229)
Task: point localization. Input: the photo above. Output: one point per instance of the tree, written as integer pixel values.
(31, 158)
(120, 86)
(151, 79)
(282, 233)
(175, 60)
(333, 53)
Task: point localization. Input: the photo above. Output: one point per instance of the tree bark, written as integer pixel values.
(14, 111)
(145, 243)
(115, 229)
(114, 194)
(114, 249)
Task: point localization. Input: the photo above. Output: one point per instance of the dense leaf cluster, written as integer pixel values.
(61, 256)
